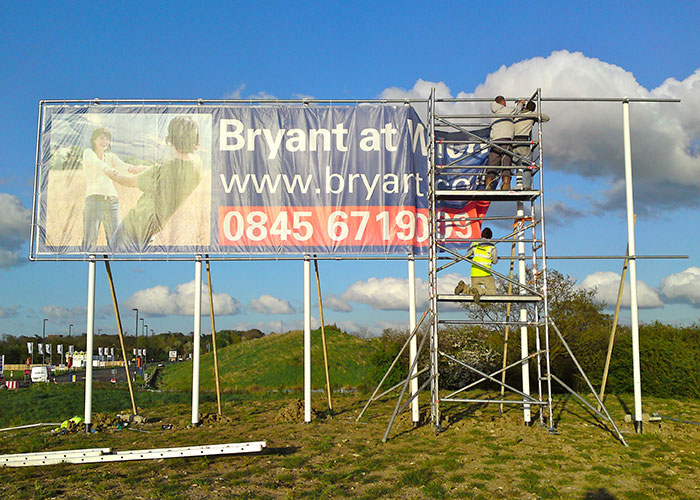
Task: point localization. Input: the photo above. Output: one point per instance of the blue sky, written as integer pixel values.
(215, 50)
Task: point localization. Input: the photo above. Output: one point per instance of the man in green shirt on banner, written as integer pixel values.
(164, 188)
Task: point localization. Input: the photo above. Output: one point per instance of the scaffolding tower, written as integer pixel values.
(533, 293)
(527, 291)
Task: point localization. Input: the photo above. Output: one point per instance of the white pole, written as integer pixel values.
(307, 339)
(90, 329)
(413, 346)
(632, 268)
(522, 279)
(197, 336)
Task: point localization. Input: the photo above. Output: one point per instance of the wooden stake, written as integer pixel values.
(121, 335)
(323, 336)
(505, 342)
(614, 325)
(213, 339)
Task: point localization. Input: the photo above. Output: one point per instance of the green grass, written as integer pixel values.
(341, 458)
(275, 362)
(56, 403)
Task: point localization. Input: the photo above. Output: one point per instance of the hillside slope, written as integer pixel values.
(277, 362)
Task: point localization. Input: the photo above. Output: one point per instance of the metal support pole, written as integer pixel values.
(432, 268)
(90, 329)
(522, 278)
(307, 339)
(43, 339)
(415, 407)
(633, 268)
(197, 337)
(136, 328)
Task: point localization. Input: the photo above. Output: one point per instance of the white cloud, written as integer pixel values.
(277, 325)
(386, 294)
(683, 287)
(59, 312)
(559, 213)
(607, 286)
(391, 294)
(369, 330)
(162, 301)
(9, 312)
(335, 303)
(267, 304)
(237, 93)
(586, 137)
(14, 229)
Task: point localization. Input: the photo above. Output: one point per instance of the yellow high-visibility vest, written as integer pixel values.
(482, 255)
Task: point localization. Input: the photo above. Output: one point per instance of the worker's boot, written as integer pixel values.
(491, 182)
(460, 288)
(505, 185)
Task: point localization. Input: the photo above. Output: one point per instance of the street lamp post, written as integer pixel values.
(136, 330)
(70, 330)
(43, 336)
(143, 322)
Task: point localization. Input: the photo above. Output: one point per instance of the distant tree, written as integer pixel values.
(579, 317)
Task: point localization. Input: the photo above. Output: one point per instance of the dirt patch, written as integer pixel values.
(213, 419)
(293, 412)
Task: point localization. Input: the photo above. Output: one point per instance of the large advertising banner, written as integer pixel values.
(153, 179)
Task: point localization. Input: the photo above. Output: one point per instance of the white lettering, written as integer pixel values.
(330, 177)
(371, 140)
(324, 134)
(296, 141)
(340, 132)
(370, 188)
(291, 188)
(225, 135)
(266, 181)
(351, 182)
(252, 134)
(273, 144)
(389, 132)
(234, 180)
(418, 135)
(390, 180)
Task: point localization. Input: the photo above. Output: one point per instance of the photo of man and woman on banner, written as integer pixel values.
(126, 182)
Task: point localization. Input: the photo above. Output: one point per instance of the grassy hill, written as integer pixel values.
(277, 362)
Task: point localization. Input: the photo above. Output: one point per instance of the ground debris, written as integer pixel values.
(293, 412)
(213, 419)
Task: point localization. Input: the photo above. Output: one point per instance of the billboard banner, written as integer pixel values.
(154, 179)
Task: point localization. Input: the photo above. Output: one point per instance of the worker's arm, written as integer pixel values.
(494, 254)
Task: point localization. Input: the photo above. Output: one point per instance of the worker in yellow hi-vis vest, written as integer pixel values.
(485, 254)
